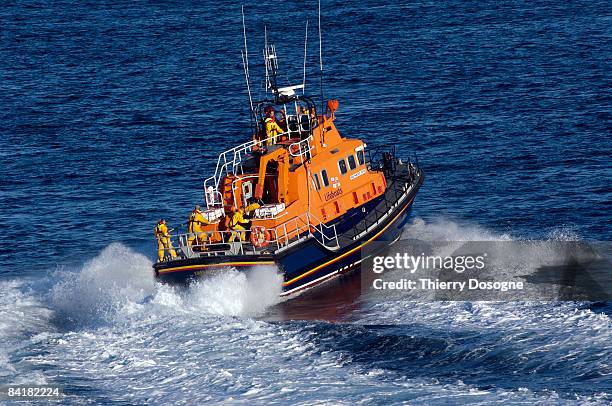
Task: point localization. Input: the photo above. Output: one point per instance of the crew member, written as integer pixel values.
(163, 240)
(253, 204)
(196, 222)
(238, 224)
(272, 127)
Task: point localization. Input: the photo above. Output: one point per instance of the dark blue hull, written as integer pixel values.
(311, 264)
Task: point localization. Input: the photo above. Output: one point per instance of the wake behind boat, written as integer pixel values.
(298, 195)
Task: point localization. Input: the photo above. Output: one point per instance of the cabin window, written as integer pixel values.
(342, 166)
(247, 190)
(360, 157)
(317, 183)
(351, 161)
(324, 177)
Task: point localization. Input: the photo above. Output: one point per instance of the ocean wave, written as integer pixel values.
(110, 331)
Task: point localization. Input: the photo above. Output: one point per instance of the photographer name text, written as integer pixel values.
(436, 284)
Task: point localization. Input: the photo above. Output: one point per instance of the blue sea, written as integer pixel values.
(113, 113)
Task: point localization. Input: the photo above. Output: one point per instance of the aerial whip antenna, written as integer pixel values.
(271, 63)
(246, 77)
(265, 54)
(305, 48)
(320, 57)
(245, 61)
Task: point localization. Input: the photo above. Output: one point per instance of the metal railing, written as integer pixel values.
(303, 149)
(230, 161)
(236, 242)
(386, 207)
(232, 158)
(294, 230)
(323, 238)
(212, 243)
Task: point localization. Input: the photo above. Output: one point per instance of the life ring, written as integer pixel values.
(260, 237)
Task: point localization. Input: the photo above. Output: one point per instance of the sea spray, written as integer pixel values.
(238, 293)
(21, 315)
(119, 280)
(104, 285)
(444, 229)
(557, 268)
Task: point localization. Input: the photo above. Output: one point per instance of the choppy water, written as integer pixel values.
(112, 114)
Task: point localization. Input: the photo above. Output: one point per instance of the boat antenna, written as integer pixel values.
(265, 56)
(305, 48)
(246, 77)
(320, 57)
(271, 63)
(245, 61)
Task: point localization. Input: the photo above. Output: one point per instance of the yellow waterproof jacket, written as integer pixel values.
(161, 230)
(250, 209)
(196, 221)
(272, 128)
(238, 219)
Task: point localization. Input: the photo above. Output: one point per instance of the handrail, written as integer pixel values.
(281, 237)
(223, 163)
(320, 227)
(304, 148)
(388, 206)
(290, 232)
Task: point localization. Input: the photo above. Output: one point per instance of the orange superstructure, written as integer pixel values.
(313, 171)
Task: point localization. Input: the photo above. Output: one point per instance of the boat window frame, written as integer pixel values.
(324, 177)
(317, 183)
(361, 154)
(349, 159)
(345, 171)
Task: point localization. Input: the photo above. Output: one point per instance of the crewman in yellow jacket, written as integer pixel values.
(163, 240)
(272, 127)
(196, 222)
(249, 210)
(238, 224)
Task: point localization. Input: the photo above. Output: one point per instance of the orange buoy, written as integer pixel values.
(332, 105)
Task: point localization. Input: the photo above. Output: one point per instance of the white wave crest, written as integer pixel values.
(119, 281)
(443, 229)
(238, 293)
(105, 285)
(22, 315)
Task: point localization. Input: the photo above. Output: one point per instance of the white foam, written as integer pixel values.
(541, 334)
(444, 229)
(238, 293)
(563, 234)
(105, 285)
(154, 339)
(22, 315)
(116, 283)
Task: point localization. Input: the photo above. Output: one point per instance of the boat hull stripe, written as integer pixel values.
(315, 269)
(218, 265)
